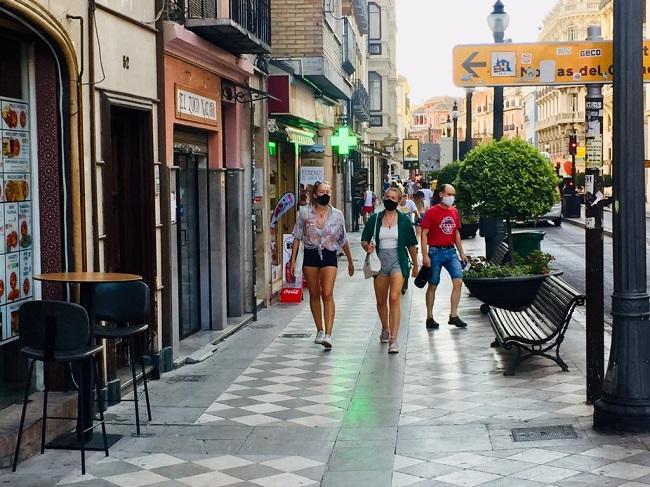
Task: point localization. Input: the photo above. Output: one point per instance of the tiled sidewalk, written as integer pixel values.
(273, 410)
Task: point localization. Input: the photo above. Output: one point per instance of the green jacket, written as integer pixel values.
(405, 237)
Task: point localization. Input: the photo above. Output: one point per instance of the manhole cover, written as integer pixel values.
(544, 433)
(261, 327)
(295, 335)
(187, 378)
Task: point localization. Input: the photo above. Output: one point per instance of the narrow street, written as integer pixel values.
(271, 408)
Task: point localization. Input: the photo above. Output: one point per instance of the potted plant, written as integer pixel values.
(510, 286)
(509, 180)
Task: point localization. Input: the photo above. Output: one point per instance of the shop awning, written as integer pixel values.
(299, 136)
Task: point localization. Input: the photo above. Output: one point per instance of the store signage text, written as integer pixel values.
(550, 63)
(195, 107)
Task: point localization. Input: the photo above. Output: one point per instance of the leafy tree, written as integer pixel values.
(449, 173)
(508, 179)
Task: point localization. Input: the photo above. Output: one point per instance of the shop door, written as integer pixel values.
(128, 207)
(188, 244)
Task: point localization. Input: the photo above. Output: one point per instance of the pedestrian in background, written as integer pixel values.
(321, 228)
(440, 240)
(395, 240)
(428, 194)
(418, 199)
(369, 201)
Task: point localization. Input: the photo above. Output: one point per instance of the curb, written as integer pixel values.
(578, 223)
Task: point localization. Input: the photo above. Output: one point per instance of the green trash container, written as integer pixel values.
(526, 242)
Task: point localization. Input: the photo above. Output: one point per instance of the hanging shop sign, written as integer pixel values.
(411, 153)
(195, 106)
(285, 203)
(550, 63)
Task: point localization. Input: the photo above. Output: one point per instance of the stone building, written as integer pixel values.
(561, 110)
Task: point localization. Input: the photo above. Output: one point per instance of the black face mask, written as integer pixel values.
(323, 200)
(390, 205)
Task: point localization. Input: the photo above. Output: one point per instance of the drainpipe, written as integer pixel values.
(92, 6)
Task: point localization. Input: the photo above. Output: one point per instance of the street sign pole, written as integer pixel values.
(594, 235)
(625, 401)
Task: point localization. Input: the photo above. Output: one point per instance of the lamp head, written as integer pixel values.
(498, 21)
(454, 111)
(448, 123)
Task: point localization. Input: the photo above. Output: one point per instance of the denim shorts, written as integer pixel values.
(389, 262)
(447, 258)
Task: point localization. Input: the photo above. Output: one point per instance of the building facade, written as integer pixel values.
(382, 88)
(561, 109)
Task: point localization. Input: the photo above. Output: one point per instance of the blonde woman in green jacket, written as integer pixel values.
(394, 241)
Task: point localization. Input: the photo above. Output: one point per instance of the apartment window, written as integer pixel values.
(374, 29)
(376, 120)
(572, 33)
(374, 90)
(374, 22)
(573, 102)
(334, 16)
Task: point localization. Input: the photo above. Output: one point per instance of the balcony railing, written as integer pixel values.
(349, 48)
(360, 102)
(238, 26)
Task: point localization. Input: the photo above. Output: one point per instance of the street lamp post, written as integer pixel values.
(498, 22)
(625, 401)
(468, 118)
(492, 229)
(454, 115)
(448, 126)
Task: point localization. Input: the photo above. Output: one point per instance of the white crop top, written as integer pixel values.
(388, 237)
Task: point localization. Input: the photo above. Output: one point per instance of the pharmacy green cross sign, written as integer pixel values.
(344, 140)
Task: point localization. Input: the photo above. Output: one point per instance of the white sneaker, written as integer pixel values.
(327, 342)
(319, 337)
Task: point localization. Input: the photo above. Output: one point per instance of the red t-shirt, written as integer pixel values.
(442, 224)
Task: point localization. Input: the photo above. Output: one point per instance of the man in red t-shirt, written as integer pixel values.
(439, 241)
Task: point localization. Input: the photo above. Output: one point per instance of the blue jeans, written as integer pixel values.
(447, 258)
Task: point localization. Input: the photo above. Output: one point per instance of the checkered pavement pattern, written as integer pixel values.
(199, 471)
(606, 465)
(297, 381)
(467, 386)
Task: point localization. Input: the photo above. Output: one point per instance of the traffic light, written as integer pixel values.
(573, 144)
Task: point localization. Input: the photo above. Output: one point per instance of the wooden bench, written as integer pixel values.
(540, 327)
(501, 255)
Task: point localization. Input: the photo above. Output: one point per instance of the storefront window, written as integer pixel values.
(16, 191)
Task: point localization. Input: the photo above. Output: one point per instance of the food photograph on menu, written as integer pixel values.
(16, 214)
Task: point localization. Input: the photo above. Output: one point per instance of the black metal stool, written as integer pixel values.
(125, 308)
(57, 332)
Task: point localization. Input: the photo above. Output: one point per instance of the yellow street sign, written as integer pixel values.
(552, 63)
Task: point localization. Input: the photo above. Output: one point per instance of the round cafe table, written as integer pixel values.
(87, 281)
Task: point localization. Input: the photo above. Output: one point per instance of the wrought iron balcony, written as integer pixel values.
(238, 26)
(360, 102)
(349, 48)
(360, 10)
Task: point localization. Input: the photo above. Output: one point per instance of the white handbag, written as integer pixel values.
(372, 264)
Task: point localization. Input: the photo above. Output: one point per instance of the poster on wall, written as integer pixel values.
(310, 174)
(16, 214)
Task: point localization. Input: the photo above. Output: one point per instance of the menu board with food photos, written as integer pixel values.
(16, 253)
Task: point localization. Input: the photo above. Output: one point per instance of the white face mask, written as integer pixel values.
(448, 200)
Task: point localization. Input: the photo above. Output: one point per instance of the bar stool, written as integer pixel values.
(57, 332)
(125, 308)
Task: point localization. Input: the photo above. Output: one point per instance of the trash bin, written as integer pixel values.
(571, 205)
(526, 242)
